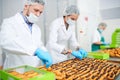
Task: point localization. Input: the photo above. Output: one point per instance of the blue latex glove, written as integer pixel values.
(77, 54)
(105, 43)
(48, 62)
(44, 56)
(83, 53)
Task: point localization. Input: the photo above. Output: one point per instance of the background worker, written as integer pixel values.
(98, 38)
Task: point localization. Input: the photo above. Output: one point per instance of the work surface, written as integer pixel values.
(86, 69)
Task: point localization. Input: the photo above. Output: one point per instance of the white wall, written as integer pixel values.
(0, 24)
(90, 9)
(50, 13)
(107, 4)
(0, 12)
(114, 22)
(11, 7)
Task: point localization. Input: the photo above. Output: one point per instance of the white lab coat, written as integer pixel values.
(18, 43)
(96, 37)
(59, 38)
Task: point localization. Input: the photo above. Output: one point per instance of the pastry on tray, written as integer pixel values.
(86, 69)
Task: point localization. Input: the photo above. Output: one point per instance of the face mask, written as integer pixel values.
(32, 18)
(70, 22)
(100, 30)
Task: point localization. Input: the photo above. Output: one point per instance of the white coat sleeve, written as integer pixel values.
(96, 37)
(53, 38)
(10, 42)
(73, 41)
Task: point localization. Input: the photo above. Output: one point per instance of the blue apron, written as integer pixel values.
(96, 47)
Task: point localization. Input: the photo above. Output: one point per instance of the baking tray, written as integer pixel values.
(115, 62)
(111, 62)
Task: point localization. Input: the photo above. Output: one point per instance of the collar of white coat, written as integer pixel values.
(19, 19)
(62, 21)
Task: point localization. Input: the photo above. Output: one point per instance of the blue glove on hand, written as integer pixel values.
(77, 54)
(105, 43)
(48, 62)
(44, 56)
(83, 53)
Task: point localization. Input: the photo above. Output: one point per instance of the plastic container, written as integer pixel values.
(116, 37)
(115, 40)
(42, 74)
(98, 55)
(109, 46)
(105, 46)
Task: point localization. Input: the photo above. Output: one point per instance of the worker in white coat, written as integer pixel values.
(98, 38)
(62, 32)
(21, 38)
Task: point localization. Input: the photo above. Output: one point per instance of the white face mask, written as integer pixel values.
(100, 30)
(32, 18)
(70, 22)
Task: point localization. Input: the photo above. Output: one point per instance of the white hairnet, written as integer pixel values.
(35, 1)
(102, 24)
(71, 10)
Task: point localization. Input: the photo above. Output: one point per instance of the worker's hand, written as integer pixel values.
(69, 51)
(77, 54)
(83, 52)
(44, 56)
(66, 51)
(48, 62)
